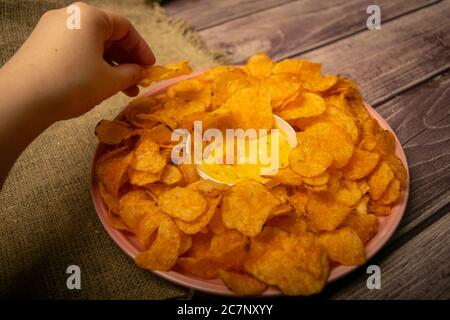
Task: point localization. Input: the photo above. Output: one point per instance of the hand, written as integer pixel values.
(61, 73)
(74, 70)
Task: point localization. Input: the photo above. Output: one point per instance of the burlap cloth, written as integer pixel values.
(47, 220)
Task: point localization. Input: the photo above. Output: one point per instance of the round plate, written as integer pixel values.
(129, 244)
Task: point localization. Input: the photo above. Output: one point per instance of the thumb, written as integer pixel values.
(126, 75)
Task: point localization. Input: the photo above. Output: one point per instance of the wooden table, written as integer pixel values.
(403, 71)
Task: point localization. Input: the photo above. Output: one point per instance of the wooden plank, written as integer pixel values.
(428, 155)
(420, 269)
(206, 13)
(385, 62)
(299, 26)
(419, 108)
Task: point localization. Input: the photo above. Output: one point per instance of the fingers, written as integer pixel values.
(132, 91)
(126, 76)
(127, 44)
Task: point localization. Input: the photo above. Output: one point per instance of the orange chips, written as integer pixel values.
(158, 73)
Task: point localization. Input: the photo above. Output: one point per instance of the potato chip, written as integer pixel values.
(211, 74)
(380, 179)
(163, 253)
(113, 132)
(280, 88)
(200, 245)
(361, 164)
(307, 105)
(141, 178)
(322, 188)
(246, 207)
(344, 246)
(183, 203)
(216, 224)
(259, 65)
(343, 120)
(326, 136)
(221, 88)
(385, 142)
(156, 189)
(397, 168)
(242, 284)
(319, 83)
(134, 206)
(296, 264)
(289, 66)
(207, 119)
(391, 194)
(141, 105)
(111, 202)
(158, 73)
(149, 224)
(308, 161)
(202, 221)
(281, 210)
(361, 206)
(287, 176)
(365, 225)
(211, 188)
(334, 182)
(349, 194)
(186, 88)
(248, 108)
(319, 180)
(147, 157)
(111, 170)
(171, 174)
(324, 212)
(298, 201)
(304, 69)
(156, 118)
(189, 172)
(289, 223)
(117, 222)
(280, 191)
(226, 251)
(378, 209)
(185, 245)
(161, 134)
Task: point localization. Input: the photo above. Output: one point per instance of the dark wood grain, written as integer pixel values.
(420, 269)
(419, 108)
(385, 62)
(206, 13)
(299, 26)
(429, 164)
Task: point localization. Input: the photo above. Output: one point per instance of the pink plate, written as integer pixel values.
(129, 244)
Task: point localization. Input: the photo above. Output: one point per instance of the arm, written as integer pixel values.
(60, 73)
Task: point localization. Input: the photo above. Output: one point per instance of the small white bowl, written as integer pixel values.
(280, 124)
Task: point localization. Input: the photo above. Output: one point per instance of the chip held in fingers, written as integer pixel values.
(159, 73)
(285, 229)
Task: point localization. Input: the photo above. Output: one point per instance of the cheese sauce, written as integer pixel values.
(245, 165)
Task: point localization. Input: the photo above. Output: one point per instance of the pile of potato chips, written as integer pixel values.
(314, 214)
